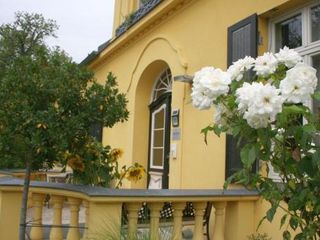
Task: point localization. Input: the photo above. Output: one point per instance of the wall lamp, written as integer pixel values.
(183, 78)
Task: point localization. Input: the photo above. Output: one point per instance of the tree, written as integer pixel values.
(48, 102)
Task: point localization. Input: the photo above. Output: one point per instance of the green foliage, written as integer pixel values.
(93, 164)
(290, 148)
(48, 102)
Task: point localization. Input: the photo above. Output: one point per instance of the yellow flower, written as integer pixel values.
(135, 173)
(76, 163)
(66, 154)
(116, 153)
(309, 206)
(41, 125)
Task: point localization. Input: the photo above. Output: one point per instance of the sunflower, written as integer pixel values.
(116, 153)
(135, 173)
(76, 163)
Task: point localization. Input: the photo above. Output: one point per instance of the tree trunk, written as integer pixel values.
(23, 212)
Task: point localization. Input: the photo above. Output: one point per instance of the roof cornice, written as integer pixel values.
(158, 15)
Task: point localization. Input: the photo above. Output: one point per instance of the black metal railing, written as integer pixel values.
(134, 17)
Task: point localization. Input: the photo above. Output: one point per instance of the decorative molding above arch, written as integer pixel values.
(173, 46)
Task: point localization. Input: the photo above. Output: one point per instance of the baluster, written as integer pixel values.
(36, 232)
(177, 219)
(29, 203)
(199, 208)
(56, 231)
(74, 233)
(85, 233)
(133, 210)
(219, 220)
(155, 209)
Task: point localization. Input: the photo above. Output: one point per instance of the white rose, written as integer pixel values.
(259, 103)
(209, 83)
(256, 121)
(245, 94)
(267, 100)
(299, 84)
(289, 57)
(200, 99)
(237, 69)
(266, 64)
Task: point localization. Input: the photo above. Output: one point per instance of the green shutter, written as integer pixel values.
(242, 41)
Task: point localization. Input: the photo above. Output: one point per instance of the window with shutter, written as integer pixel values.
(299, 29)
(242, 41)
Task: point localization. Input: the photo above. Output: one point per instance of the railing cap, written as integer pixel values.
(128, 193)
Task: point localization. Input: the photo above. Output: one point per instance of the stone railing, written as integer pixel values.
(104, 210)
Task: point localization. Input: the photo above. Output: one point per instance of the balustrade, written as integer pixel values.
(57, 205)
(104, 209)
(177, 219)
(36, 232)
(133, 210)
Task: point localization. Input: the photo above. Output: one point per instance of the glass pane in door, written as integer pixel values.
(157, 157)
(157, 138)
(159, 119)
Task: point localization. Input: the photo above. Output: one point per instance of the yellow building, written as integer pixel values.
(159, 44)
(156, 47)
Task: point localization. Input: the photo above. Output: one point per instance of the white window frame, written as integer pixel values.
(162, 107)
(307, 46)
(306, 50)
(165, 77)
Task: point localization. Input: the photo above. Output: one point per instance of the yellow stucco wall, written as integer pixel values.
(193, 36)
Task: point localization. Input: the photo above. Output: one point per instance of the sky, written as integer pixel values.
(83, 24)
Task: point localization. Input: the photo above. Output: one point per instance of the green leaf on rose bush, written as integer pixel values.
(286, 235)
(248, 155)
(294, 222)
(271, 212)
(283, 220)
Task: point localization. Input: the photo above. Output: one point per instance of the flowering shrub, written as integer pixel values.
(98, 165)
(265, 104)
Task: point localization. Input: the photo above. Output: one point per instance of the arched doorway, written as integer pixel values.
(159, 133)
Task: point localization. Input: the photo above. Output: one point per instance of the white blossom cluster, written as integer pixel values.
(238, 68)
(208, 84)
(258, 99)
(299, 84)
(259, 103)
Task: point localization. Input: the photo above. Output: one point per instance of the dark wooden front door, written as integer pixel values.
(159, 142)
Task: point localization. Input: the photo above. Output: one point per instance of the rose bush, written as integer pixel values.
(265, 103)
